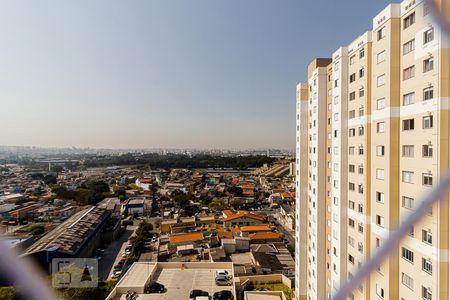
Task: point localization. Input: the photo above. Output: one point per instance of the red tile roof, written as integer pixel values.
(187, 237)
(243, 214)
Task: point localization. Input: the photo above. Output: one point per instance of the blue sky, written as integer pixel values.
(166, 73)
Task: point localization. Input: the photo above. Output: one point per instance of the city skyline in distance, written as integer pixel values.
(160, 74)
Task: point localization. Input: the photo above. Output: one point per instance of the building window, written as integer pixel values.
(381, 57)
(428, 93)
(361, 72)
(351, 204)
(427, 150)
(351, 114)
(351, 259)
(427, 237)
(408, 99)
(408, 124)
(361, 150)
(427, 122)
(408, 254)
(351, 186)
(360, 130)
(407, 202)
(379, 220)
(351, 241)
(379, 290)
(428, 64)
(426, 293)
(361, 111)
(361, 53)
(381, 80)
(408, 150)
(381, 103)
(428, 36)
(407, 281)
(409, 20)
(352, 77)
(380, 174)
(380, 127)
(408, 73)
(381, 33)
(351, 132)
(407, 176)
(427, 266)
(352, 96)
(360, 169)
(351, 150)
(427, 179)
(352, 60)
(379, 197)
(409, 46)
(351, 223)
(360, 228)
(361, 92)
(380, 150)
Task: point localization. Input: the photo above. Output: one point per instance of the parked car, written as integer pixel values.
(223, 280)
(223, 295)
(223, 273)
(195, 294)
(203, 298)
(154, 287)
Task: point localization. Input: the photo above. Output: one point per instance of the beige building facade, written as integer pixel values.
(372, 137)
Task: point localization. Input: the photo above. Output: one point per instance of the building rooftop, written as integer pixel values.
(265, 236)
(73, 233)
(187, 237)
(263, 227)
(241, 214)
(178, 279)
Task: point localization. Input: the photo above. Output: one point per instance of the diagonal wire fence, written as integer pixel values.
(434, 196)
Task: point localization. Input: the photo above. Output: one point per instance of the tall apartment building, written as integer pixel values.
(372, 137)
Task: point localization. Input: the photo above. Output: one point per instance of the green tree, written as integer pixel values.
(7, 292)
(49, 179)
(235, 190)
(237, 203)
(36, 229)
(218, 204)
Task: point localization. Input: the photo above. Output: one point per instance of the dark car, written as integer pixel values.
(197, 293)
(223, 295)
(154, 287)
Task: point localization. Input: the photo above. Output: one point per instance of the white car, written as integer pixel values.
(222, 273)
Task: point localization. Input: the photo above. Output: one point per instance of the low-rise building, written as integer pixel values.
(178, 279)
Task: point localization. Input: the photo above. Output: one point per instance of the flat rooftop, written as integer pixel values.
(178, 278)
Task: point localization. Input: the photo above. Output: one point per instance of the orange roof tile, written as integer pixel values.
(265, 236)
(225, 235)
(187, 237)
(243, 213)
(228, 213)
(263, 227)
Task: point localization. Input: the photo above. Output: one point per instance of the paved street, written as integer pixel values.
(113, 253)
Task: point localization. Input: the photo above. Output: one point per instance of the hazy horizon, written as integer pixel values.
(163, 74)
